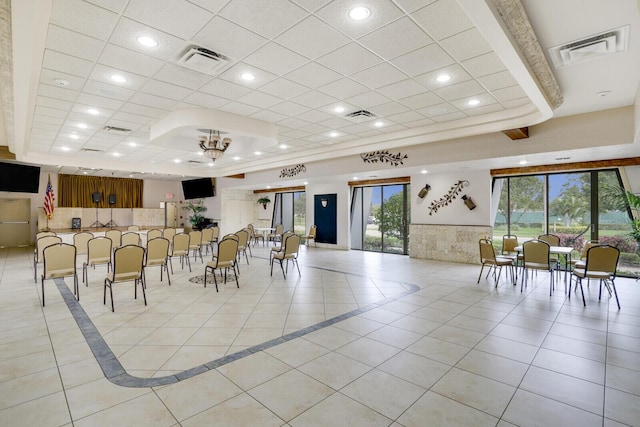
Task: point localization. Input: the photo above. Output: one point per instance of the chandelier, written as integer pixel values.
(214, 146)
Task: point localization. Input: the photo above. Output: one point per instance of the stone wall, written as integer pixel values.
(456, 243)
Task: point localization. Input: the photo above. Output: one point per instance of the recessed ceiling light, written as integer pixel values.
(116, 154)
(355, 178)
(200, 153)
(473, 102)
(283, 146)
(210, 164)
(339, 109)
(132, 144)
(130, 176)
(74, 136)
(424, 171)
(85, 172)
(236, 158)
(118, 78)
(93, 111)
(359, 13)
(379, 124)
(176, 160)
(65, 148)
(305, 183)
(523, 162)
(249, 77)
(257, 153)
(268, 186)
(147, 41)
(333, 134)
(443, 78)
(82, 125)
(62, 82)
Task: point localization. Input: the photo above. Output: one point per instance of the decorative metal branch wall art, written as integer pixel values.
(448, 198)
(383, 156)
(290, 172)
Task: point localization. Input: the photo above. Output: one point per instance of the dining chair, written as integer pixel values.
(157, 254)
(152, 234)
(42, 243)
(290, 252)
(207, 234)
(128, 262)
(115, 236)
(280, 248)
(130, 238)
(60, 261)
(180, 248)
(256, 236)
(45, 233)
(98, 253)
(276, 235)
(133, 228)
(552, 240)
(601, 263)
(195, 241)
(168, 233)
(536, 256)
(488, 258)
(223, 260)
(81, 242)
(580, 263)
(243, 243)
(311, 236)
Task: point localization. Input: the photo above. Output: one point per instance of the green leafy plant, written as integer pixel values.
(623, 200)
(196, 209)
(263, 201)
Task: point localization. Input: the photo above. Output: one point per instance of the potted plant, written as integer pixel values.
(263, 201)
(196, 208)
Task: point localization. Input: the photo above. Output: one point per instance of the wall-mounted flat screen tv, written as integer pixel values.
(198, 188)
(19, 178)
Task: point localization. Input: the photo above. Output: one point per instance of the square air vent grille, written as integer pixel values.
(360, 116)
(204, 60)
(591, 47)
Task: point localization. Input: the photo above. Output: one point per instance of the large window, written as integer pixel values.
(290, 211)
(577, 206)
(379, 218)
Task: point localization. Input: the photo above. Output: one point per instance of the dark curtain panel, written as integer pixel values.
(75, 191)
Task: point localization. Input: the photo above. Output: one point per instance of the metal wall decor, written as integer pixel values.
(383, 156)
(290, 172)
(448, 198)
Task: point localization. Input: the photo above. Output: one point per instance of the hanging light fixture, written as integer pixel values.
(214, 146)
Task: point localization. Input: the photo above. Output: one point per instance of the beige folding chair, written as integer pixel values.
(552, 240)
(536, 257)
(180, 248)
(601, 263)
(509, 245)
(42, 243)
(44, 234)
(130, 238)
(276, 236)
(225, 259)
(488, 257)
(278, 249)
(195, 243)
(115, 236)
(157, 255)
(311, 236)
(243, 243)
(81, 242)
(255, 236)
(215, 236)
(128, 264)
(98, 253)
(580, 263)
(152, 234)
(290, 252)
(168, 233)
(207, 234)
(133, 228)
(60, 261)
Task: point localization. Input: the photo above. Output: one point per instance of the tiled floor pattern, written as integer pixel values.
(452, 353)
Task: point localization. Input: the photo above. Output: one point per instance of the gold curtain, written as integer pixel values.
(75, 191)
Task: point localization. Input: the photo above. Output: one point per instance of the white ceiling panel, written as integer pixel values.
(465, 45)
(158, 88)
(455, 72)
(449, 117)
(86, 18)
(509, 93)
(152, 101)
(485, 99)
(275, 59)
(127, 32)
(325, 40)
(241, 109)
(94, 87)
(289, 108)
(116, 6)
(402, 89)
(367, 100)
(103, 74)
(379, 75)
(260, 99)
(313, 75)
(234, 73)
(128, 60)
(57, 92)
(314, 99)
(482, 65)
(266, 17)
(336, 14)
(442, 19)
(53, 103)
(413, 5)
(396, 38)
(181, 76)
(421, 100)
(423, 60)
(498, 80)
(485, 109)
(73, 43)
(204, 100)
(50, 112)
(389, 108)
(143, 110)
(343, 88)
(65, 63)
(349, 59)
(314, 116)
(460, 90)
(178, 17)
(284, 88)
(99, 102)
(49, 77)
(229, 39)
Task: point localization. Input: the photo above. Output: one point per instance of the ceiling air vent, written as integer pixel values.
(360, 116)
(116, 130)
(204, 60)
(595, 46)
(91, 150)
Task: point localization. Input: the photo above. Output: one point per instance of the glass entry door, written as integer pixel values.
(379, 218)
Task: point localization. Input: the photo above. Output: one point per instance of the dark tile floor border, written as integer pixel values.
(115, 372)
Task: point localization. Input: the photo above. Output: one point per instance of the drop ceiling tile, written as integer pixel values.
(276, 59)
(212, 6)
(358, 128)
(349, 59)
(367, 100)
(483, 65)
(336, 14)
(284, 88)
(101, 89)
(128, 60)
(396, 38)
(402, 89)
(205, 100)
(391, 129)
(311, 5)
(289, 108)
(423, 60)
(181, 76)
(99, 102)
(133, 118)
(336, 123)
(127, 32)
(152, 100)
(266, 17)
(295, 134)
(389, 109)
(292, 123)
(465, 45)
(450, 117)
(315, 129)
(509, 93)
(178, 17)
(238, 108)
(461, 90)
(407, 116)
(224, 89)
(57, 92)
(314, 116)
(48, 121)
(486, 109)
(437, 110)
(442, 19)
(86, 18)
(457, 73)
(113, 5)
(158, 88)
(313, 75)
(53, 103)
(73, 43)
(485, 99)
(79, 114)
(343, 88)
(312, 38)
(65, 63)
(314, 99)
(498, 80)
(421, 100)
(233, 74)
(418, 123)
(379, 75)
(268, 116)
(48, 77)
(229, 39)
(259, 99)
(143, 110)
(412, 5)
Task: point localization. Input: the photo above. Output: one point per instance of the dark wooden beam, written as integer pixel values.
(595, 164)
(398, 180)
(6, 154)
(236, 176)
(280, 189)
(519, 133)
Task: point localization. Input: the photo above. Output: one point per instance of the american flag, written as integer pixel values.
(49, 197)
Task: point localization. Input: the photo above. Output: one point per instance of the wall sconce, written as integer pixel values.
(324, 202)
(468, 202)
(424, 191)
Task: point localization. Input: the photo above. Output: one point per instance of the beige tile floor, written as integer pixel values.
(451, 353)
